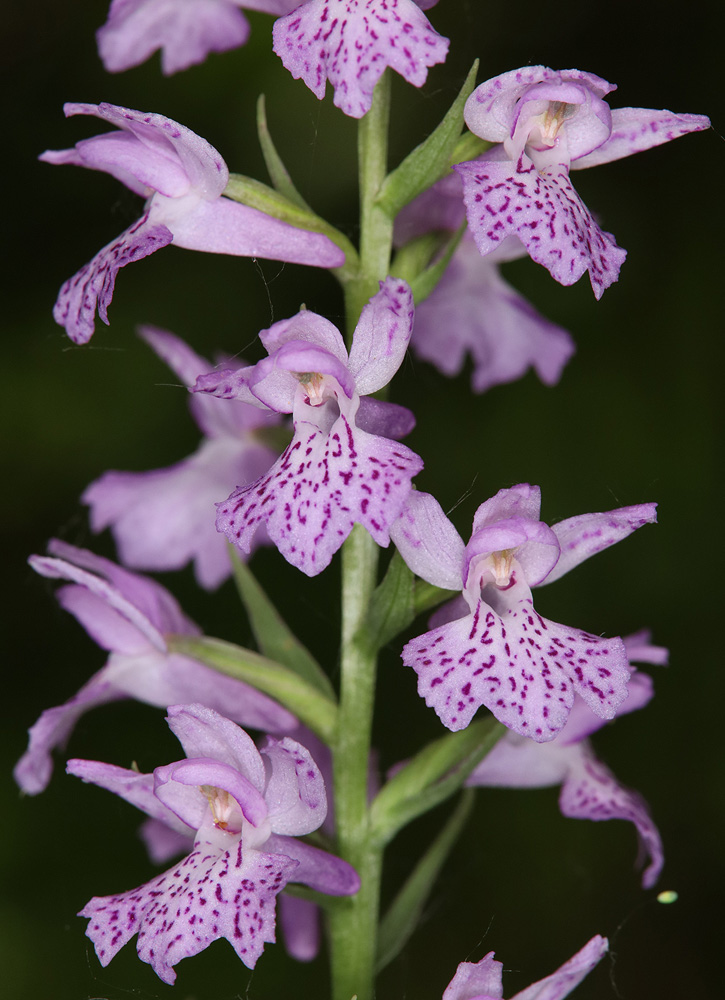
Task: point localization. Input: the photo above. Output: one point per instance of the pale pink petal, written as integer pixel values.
(637, 129)
(381, 336)
(163, 519)
(53, 728)
(473, 310)
(317, 869)
(225, 226)
(300, 922)
(207, 172)
(163, 843)
(428, 542)
(204, 733)
(186, 31)
(586, 534)
(560, 983)
(295, 790)
(477, 980)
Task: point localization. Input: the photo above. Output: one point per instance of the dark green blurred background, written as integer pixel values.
(635, 418)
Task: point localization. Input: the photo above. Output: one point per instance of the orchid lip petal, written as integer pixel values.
(356, 45)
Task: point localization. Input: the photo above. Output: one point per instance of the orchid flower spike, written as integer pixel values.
(341, 467)
(130, 616)
(352, 42)
(498, 651)
(545, 123)
(182, 179)
(245, 810)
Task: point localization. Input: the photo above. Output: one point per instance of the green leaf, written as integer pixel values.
(429, 161)
(274, 637)
(434, 774)
(469, 147)
(422, 285)
(427, 596)
(278, 173)
(391, 606)
(405, 911)
(308, 704)
(414, 257)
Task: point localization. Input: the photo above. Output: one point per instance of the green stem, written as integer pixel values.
(354, 924)
(353, 927)
(376, 226)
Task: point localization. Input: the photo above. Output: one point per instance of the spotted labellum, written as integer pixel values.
(545, 123)
(493, 648)
(352, 42)
(343, 466)
(245, 809)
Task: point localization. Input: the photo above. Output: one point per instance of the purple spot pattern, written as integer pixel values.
(522, 667)
(318, 489)
(591, 791)
(91, 288)
(211, 894)
(544, 211)
(351, 42)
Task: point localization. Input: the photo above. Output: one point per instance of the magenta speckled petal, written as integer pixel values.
(637, 129)
(325, 481)
(351, 44)
(186, 31)
(592, 792)
(91, 288)
(522, 667)
(295, 790)
(544, 211)
(211, 894)
(586, 534)
(382, 336)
